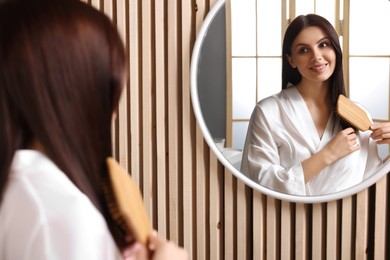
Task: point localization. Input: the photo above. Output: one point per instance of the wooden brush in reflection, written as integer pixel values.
(352, 114)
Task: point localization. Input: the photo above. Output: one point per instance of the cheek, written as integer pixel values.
(300, 60)
(333, 59)
(331, 56)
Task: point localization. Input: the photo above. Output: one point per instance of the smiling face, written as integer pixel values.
(313, 55)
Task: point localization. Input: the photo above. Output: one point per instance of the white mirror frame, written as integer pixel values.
(383, 170)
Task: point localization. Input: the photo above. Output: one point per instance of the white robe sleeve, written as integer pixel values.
(261, 160)
(374, 162)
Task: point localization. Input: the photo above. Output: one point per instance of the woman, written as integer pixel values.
(62, 69)
(295, 143)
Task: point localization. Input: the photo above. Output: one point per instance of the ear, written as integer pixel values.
(291, 61)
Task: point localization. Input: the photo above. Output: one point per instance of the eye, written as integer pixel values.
(324, 44)
(303, 50)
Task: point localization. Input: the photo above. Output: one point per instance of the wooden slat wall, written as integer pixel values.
(191, 198)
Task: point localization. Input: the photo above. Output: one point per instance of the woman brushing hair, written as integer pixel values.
(62, 69)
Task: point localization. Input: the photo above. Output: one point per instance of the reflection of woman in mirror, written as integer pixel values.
(295, 142)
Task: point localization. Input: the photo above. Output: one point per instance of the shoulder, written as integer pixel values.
(277, 101)
(43, 209)
(280, 97)
(38, 182)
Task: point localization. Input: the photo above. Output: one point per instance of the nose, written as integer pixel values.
(317, 54)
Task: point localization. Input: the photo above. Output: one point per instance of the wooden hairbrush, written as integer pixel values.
(128, 209)
(353, 114)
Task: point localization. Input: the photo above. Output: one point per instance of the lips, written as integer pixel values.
(319, 67)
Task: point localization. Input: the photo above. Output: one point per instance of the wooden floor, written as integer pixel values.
(191, 198)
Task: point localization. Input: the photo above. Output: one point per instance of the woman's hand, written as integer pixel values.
(157, 249)
(341, 145)
(136, 251)
(381, 133)
(162, 249)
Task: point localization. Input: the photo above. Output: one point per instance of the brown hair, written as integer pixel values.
(291, 75)
(62, 68)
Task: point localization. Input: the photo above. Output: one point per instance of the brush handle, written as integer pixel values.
(128, 202)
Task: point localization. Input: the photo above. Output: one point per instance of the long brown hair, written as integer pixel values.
(62, 68)
(291, 75)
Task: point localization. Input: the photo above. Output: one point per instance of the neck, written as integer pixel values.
(315, 92)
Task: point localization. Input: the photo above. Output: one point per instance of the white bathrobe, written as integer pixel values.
(43, 215)
(282, 134)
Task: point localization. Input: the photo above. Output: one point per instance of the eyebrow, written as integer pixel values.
(320, 40)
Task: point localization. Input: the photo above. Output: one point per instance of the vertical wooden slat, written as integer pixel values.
(211, 3)
(229, 238)
(286, 230)
(332, 238)
(301, 232)
(318, 234)
(161, 150)
(146, 108)
(96, 4)
(272, 237)
(134, 95)
(229, 210)
(200, 196)
(380, 219)
(123, 103)
(347, 247)
(229, 76)
(188, 130)
(361, 225)
(215, 209)
(258, 225)
(200, 14)
(108, 8)
(173, 124)
(242, 221)
(201, 167)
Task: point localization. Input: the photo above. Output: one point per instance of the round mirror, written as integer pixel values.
(208, 93)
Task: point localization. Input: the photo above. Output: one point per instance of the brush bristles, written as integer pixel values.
(345, 123)
(114, 209)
